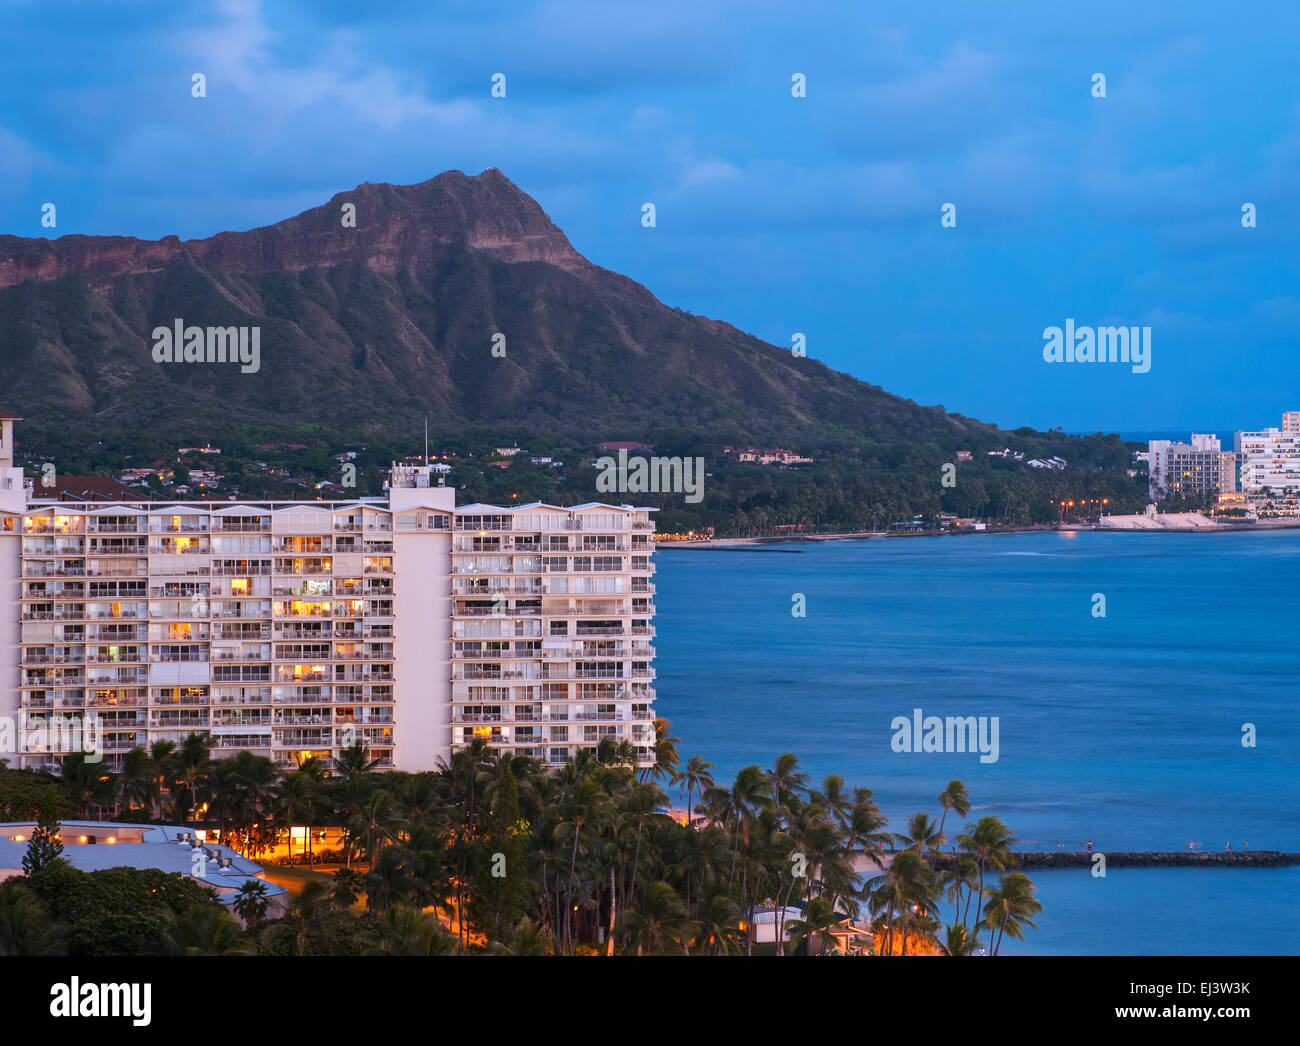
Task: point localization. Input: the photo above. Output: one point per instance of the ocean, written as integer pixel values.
(1125, 729)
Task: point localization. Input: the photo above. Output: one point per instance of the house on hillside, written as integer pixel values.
(614, 448)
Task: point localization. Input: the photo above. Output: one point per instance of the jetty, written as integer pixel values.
(1035, 859)
(1046, 860)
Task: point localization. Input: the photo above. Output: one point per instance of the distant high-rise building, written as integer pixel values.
(1200, 467)
(1270, 458)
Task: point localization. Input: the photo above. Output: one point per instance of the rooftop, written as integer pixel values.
(92, 846)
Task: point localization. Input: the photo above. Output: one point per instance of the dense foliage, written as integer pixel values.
(853, 483)
(492, 853)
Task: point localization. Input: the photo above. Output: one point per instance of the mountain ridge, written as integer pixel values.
(375, 327)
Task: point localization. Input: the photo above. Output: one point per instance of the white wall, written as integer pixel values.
(422, 624)
(12, 499)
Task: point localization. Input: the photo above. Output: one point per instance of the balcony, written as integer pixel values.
(115, 702)
(494, 612)
(241, 721)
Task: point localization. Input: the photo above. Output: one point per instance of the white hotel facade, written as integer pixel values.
(294, 629)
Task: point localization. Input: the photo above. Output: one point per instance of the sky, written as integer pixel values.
(818, 215)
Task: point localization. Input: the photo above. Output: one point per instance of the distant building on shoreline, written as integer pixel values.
(1190, 469)
(1263, 467)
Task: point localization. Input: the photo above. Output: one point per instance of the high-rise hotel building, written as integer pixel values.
(1270, 458)
(294, 629)
(1201, 467)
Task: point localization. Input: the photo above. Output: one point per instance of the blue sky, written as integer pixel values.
(819, 215)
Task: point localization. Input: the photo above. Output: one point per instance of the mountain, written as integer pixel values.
(373, 328)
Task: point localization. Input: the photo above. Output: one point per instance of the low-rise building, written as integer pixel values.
(92, 846)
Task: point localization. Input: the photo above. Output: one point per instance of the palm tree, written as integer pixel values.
(702, 860)
(203, 928)
(376, 823)
(296, 801)
(749, 794)
(836, 801)
(903, 894)
(408, 931)
(660, 925)
(191, 763)
(786, 780)
(959, 941)
(219, 793)
(864, 827)
(1010, 907)
(990, 844)
(953, 798)
(641, 803)
(586, 804)
(252, 804)
(161, 773)
(135, 780)
(530, 938)
(818, 917)
(391, 881)
(251, 901)
(960, 876)
(666, 758)
(313, 901)
(719, 930)
(25, 926)
(697, 777)
(922, 834)
(348, 885)
(87, 781)
(353, 763)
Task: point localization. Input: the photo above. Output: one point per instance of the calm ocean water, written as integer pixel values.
(1125, 730)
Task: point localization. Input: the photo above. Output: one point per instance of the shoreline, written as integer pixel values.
(852, 535)
(1045, 528)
